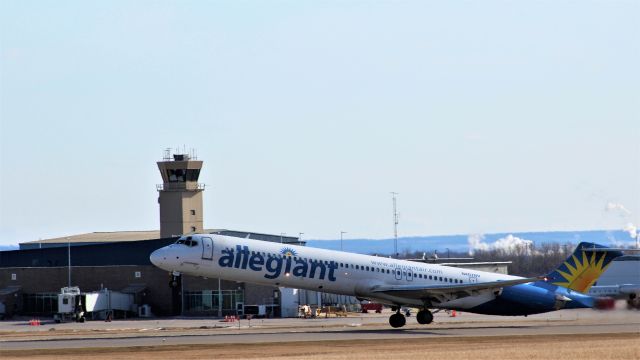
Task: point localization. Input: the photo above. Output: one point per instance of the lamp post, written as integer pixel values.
(69, 261)
(341, 233)
(395, 225)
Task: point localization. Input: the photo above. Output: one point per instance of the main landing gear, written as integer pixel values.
(424, 317)
(397, 320)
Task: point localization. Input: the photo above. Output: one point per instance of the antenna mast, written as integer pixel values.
(395, 225)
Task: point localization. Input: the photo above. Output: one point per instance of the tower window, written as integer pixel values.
(193, 212)
(177, 175)
(193, 229)
(192, 174)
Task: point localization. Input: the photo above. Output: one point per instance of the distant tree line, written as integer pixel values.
(526, 260)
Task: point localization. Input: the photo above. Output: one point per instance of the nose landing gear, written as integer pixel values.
(424, 317)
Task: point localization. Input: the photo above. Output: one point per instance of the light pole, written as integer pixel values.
(300, 236)
(69, 261)
(341, 233)
(281, 235)
(395, 225)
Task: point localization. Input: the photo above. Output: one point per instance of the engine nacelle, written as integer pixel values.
(533, 299)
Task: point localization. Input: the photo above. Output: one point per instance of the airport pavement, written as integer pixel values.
(155, 332)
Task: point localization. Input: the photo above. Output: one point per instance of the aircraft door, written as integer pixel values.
(207, 248)
(398, 273)
(409, 275)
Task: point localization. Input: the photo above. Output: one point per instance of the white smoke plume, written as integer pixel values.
(632, 230)
(509, 244)
(618, 208)
(623, 212)
(476, 242)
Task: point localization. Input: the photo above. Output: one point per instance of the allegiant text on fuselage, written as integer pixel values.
(243, 258)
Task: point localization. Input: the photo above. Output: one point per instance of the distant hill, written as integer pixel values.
(460, 243)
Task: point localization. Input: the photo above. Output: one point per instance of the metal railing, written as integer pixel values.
(180, 186)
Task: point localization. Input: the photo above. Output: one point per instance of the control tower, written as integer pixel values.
(180, 195)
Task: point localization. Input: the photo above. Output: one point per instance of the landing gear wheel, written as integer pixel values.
(424, 317)
(397, 320)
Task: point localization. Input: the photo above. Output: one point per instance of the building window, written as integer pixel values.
(208, 301)
(40, 304)
(14, 277)
(138, 274)
(193, 212)
(193, 229)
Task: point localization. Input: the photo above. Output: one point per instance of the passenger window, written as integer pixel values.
(181, 241)
(357, 267)
(194, 243)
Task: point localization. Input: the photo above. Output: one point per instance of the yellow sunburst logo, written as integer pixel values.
(583, 273)
(287, 251)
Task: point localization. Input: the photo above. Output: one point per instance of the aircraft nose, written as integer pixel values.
(157, 257)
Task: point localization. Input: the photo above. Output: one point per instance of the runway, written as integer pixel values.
(172, 333)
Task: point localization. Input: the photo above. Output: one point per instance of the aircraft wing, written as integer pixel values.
(441, 293)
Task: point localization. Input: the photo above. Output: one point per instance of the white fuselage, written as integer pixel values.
(338, 272)
(623, 291)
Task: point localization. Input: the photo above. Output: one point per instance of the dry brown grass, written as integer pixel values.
(583, 347)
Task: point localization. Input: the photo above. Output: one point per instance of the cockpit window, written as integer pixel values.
(188, 242)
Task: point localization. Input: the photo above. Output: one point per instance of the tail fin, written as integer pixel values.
(581, 270)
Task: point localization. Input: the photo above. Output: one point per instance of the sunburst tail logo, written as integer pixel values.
(287, 251)
(583, 268)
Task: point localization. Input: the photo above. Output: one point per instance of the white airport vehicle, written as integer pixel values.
(70, 307)
(390, 281)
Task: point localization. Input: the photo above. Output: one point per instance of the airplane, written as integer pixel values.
(628, 292)
(393, 282)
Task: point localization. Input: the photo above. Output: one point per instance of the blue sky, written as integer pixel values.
(488, 116)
